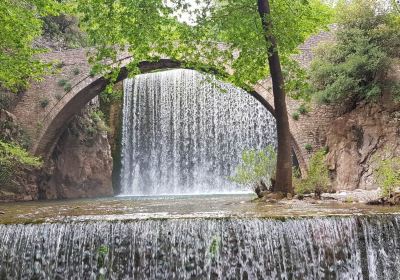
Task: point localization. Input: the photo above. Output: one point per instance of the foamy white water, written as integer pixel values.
(185, 135)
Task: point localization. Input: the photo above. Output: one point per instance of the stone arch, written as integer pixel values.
(71, 103)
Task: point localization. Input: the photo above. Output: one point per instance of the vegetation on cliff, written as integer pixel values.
(12, 159)
(21, 23)
(358, 64)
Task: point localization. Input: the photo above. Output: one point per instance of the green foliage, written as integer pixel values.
(92, 72)
(67, 87)
(256, 166)
(303, 109)
(109, 97)
(12, 157)
(388, 175)
(10, 153)
(308, 147)
(44, 102)
(98, 118)
(357, 64)
(102, 253)
(62, 82)
(21, 24)
(317, 180)
(76, 71)
(296, 116)
(214, 246)
(155, 32)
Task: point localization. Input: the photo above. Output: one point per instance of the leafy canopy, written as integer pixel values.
(21, 23)
(225, 33)
(358, 63)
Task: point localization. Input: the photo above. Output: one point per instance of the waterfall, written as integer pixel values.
(314, 248)
(183, 133)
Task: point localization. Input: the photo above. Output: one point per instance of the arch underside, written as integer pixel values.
(64, 111)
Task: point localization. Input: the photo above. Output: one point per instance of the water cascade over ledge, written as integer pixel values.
(183, 134)
(316, 248)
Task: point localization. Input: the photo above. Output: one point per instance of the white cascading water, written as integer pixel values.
(183, 134)
(357, 247)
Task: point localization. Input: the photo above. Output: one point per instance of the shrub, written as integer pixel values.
(308, 147)
(256, 167)
(296, 116)
(44, 102)
(6, 99)
(62, 82)
(387, 175)
(13, 156)
(98, 117)
(60, 64)
(76, 71)
(67, 87)
(302, 109)
(92, 72)
(112, 96)
(357, 64)
(317, 180)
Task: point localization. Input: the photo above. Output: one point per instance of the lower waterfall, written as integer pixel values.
(314, 248)
(184, 133)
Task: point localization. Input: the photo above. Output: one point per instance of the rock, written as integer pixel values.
(354, 140)
(81, 164)
(2, 213)
(274, 196)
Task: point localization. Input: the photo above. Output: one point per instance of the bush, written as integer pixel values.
(62, 82)
(296, 116)
(98, 118)
(303, 109)
(67, 87)
(387, 176)
(76, 71)
(44, 102)
(317, 180)
(13, 156)
(308, 147)
(6, 99)
(257, 167)
(357, 64)
(92, 72)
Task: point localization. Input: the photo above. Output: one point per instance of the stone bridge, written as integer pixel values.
(46, 108)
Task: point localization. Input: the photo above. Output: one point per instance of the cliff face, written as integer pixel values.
(81, 164)
(21, 184)
(356, 140)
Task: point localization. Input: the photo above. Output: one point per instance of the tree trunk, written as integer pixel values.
(284, 158)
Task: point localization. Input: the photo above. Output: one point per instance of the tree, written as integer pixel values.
(283, 179)
(357, 65)
(21, 23)
(226, 38)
